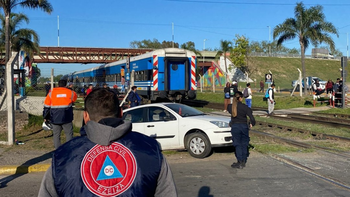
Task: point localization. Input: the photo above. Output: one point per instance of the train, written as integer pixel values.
(168, 73)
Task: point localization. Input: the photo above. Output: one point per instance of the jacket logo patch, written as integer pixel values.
(108, 170)
(61, 95)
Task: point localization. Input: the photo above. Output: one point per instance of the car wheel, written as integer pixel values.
(198, 145)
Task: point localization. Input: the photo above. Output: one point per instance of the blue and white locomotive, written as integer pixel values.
(163, 73)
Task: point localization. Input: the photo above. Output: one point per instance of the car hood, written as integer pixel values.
(208, 118)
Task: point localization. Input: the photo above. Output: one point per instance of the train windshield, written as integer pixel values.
(184, 110)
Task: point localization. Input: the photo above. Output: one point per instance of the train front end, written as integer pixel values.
(174, 74)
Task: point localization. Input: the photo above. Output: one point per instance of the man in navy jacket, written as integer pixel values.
(111, 160)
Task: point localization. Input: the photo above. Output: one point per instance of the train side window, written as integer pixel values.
(144, 77)
(138, 76)
(150, 75)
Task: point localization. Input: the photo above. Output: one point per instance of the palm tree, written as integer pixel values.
(8, 5)
(225, 46)
(26, 39)
(308, 25)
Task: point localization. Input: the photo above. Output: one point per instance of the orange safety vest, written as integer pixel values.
(60, 101)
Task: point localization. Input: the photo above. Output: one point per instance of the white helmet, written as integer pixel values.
(47, 126)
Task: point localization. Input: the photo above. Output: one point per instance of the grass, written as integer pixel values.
(284, 70)
(283, 101)
(34, 137)
(266, 146)
(343, 132)
(337, 111)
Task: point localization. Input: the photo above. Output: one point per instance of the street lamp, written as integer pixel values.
(204, 49)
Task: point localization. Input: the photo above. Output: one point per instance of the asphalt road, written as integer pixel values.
(213, 176)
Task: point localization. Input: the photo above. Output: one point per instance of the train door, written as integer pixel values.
(176, 74)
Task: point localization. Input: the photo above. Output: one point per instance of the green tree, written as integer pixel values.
(240, 55)
(225, 46)
(191, 47)
(337, 53)
(308, 25)
(152, 44)
(8, 5)
(57, 78)
(26, 39)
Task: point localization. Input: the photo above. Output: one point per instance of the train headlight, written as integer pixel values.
(220, 124)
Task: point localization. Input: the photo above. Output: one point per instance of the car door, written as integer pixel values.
(137, 118)
(163, 126)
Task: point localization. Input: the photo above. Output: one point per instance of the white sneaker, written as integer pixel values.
(225, 111)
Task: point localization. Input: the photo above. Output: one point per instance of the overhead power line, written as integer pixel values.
(256, 3)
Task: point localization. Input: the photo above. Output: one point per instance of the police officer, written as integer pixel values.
(58, 108)
(240, 129)
(111, 160)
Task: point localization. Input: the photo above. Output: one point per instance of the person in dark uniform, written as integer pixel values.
(240, 129)
(227, 96)
(47, 88)
(111, 160)
(133, 97)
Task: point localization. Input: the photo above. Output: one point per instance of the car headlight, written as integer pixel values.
(220, 124)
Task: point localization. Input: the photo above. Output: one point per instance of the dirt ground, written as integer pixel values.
(21, 119)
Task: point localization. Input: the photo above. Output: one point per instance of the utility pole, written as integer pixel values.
(204, 49)
(58, 31)
(269, 41)
(10, 100)
(172, 27)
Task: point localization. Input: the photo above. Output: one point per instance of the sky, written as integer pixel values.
(116, 23)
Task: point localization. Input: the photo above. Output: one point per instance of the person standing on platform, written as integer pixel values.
(248, 100)
(262, 85)
(59, 105)
(227, 96)
(240, 129)
(271, 100)
(115, 90)
(122, 90)
(70, 86)
(89, 89)
(47, 87)
(133, 97)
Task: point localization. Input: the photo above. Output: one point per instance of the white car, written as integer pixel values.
(177, 126)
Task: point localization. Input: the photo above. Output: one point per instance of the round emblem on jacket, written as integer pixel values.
(108, 170)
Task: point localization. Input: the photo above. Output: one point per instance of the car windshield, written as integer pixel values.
(184, 110)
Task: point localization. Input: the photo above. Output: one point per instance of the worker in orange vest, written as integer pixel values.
(58, 108)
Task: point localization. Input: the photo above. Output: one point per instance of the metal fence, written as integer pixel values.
(282, 55)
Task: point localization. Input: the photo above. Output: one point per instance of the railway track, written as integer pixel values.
(220, 106)
(320, 174)
(305, 131)
(317, 135)
(299, 164)
(315, 120)
(345, 116)
(298, 144)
